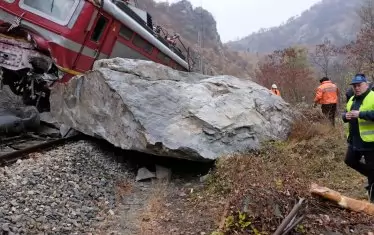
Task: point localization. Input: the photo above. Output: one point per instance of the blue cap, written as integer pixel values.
(358, 79)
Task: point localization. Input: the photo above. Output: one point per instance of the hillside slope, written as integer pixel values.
(333, 19)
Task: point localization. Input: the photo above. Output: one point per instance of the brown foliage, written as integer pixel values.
(290, 70)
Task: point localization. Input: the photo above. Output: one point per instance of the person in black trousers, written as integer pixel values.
(359, 116)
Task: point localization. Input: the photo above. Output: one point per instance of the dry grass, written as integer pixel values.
(282, 172)
(313, 124)
(134, 216)
(112, 223)
(122, 188)
(154, 209)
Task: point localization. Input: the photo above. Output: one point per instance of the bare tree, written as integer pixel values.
(360, 53)
(323, 56)
(366, 14)
(366, 36)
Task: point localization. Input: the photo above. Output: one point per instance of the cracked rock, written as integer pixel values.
(148, 107)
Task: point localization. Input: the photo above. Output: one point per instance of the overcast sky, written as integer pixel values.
(239, 18)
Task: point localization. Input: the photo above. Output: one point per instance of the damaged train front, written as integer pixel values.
(25, 70)
(27, 61)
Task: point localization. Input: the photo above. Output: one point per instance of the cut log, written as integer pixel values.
(343, 201)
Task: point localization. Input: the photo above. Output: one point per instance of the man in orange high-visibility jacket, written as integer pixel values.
(327, 95)
(274, 90)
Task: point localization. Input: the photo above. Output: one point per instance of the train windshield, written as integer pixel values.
(59, 11)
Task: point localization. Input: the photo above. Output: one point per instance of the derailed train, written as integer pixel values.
(48, 41)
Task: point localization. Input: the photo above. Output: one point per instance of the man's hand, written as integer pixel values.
(352, 114)
(355, 113)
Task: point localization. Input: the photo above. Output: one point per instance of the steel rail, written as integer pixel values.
(9, 158)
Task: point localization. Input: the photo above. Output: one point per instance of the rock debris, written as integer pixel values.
(67, 190)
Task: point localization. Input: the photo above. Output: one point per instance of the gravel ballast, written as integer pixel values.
(68, 190)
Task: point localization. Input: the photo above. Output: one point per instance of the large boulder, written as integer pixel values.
(144, 106)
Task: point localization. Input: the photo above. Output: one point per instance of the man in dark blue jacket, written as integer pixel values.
(359, 116)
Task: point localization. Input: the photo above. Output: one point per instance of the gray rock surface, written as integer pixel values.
(148, 107)
(144, 174)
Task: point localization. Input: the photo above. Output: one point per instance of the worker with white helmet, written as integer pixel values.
(275, 90)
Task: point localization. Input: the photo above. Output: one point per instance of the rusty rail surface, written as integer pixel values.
(18, 147)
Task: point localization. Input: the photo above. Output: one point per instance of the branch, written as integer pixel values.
(289, 218)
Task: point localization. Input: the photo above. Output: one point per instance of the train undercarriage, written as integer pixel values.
(28, 72)
(28, 84)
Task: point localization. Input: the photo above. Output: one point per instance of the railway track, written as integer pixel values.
(18, 147)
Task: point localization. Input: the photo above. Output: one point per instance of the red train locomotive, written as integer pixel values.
(48, 41)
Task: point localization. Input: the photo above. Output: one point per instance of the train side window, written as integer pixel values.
(126, 32)
(141, 43)
(99, 28)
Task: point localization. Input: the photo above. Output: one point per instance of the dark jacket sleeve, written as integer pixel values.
(367, 115)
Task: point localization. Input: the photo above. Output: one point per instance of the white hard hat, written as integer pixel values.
(274, 86)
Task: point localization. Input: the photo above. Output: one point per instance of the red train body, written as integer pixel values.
(47, 41)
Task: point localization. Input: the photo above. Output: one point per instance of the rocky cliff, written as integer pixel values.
(181, 17)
